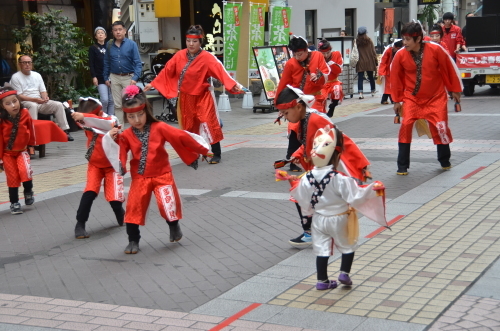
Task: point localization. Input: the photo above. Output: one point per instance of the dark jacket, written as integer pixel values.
(367, 57)
(96, 61)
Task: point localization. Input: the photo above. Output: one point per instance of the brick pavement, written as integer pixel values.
(76, 263)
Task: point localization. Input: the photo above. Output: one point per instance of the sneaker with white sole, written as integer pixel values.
(304, 239)
(15, 208)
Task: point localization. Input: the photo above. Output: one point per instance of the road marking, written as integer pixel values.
(473, 173)
(382, 228)
(235, 317)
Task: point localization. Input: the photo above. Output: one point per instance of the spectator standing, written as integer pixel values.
(122, 64)
(343, 33)
(367, 60)
(96, 64)
(33, 95)
(452, 35)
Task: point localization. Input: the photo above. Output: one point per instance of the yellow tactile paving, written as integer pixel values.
(414, 272)
(75, 175)
(271, 128)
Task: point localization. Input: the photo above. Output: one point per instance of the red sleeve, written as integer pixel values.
(31, 130)
(318, 61)
(384, 67)
(166, 82)
(397, 77)
(460, 37)
(448, 71)
(1, 140)
(217, 70)
(286, 78)
(124, 148)
(184, 143)
(337, 58)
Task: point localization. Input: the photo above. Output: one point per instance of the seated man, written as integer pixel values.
(33, 94)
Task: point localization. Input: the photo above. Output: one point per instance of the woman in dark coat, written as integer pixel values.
(367, 60)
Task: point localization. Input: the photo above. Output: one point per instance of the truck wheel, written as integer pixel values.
(468, 90)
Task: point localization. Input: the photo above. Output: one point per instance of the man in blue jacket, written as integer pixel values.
(122, 64)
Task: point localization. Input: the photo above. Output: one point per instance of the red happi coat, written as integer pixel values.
(197, 111)
(333, 87)
(452, 39)
(439, 74)
(384, 69)
(354, 161)
(157, 163)
(25, 133)
(293, 73)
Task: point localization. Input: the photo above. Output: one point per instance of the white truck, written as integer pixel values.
(479, 67)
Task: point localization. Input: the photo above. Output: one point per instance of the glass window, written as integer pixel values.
(311, 26)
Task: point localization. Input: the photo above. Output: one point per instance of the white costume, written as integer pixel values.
(328, 227)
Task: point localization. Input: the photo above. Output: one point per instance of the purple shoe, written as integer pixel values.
(326, 286)
(345, 279)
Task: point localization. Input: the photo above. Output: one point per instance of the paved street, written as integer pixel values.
(436, 269)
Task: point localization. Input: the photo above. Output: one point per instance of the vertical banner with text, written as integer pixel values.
(256, 35)
(279, 25)
(232, 12)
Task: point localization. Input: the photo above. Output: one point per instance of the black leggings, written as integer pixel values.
(14, 191)
(322, 265)
(134, 234)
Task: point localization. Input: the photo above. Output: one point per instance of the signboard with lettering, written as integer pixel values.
(476, 60)
(279, 25)
(232, 14)
(256, 35)
(271, 61)
(429, 2)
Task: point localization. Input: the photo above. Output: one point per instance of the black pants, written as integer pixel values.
(305, 221)
(14, 191)
(134, 234)
(385, 97)
(322, 265)
(216, 149)
(332, 106)
(361, 77)
(293, 144)
(83, 212)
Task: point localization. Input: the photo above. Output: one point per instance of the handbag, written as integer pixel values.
(354, 55)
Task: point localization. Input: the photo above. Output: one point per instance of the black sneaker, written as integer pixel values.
(70, 138)
(304, 239)
(80, 232)
(132, 248)
(216, 159)
(29, 199)
(295, 168)
(15, 208)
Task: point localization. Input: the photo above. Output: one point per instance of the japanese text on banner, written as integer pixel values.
(232, 13)
(256, 35)
(279, 28)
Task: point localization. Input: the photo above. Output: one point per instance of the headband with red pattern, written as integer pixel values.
(288, 105)
(134, 109)
(4, 94)
(194, 36)
(435, 32)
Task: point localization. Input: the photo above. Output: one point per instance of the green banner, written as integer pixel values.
(256, 35)
(232, 12)
(279, 26)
